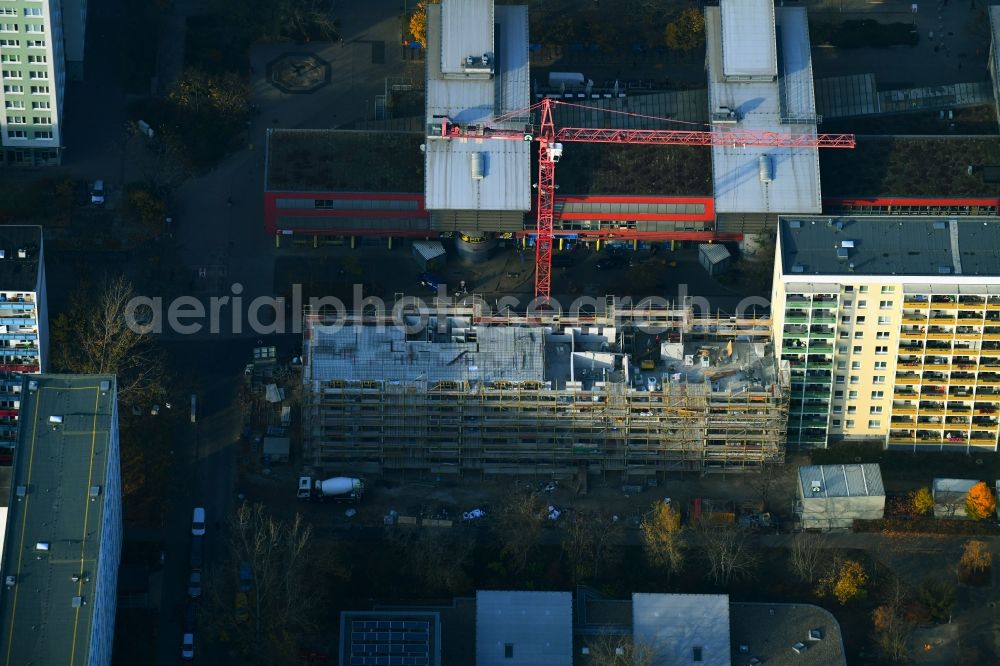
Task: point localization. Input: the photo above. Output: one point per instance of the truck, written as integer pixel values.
(568, 80)
(338, 488)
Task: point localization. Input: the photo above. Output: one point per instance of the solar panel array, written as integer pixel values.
(390, 643)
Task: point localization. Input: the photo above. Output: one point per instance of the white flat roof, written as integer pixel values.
(467, 30)
(748, 47)
(506, 181)
(762, 105)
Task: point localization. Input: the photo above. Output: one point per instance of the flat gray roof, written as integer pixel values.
(506, 179)
(58, 465)
(467, 30)
(18, 274)
(842, 480)
(786, 105)
(537, 625)
(914, 246)
(770, 630)
(748, 47)
(673, 625)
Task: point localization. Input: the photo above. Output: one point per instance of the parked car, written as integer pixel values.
(97, 193)
(198, 520)
(194, 585)
(197, 551)
(187, 647)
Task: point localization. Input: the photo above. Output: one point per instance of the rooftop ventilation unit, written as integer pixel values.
(817, 487)
(795, 224)
(42, 546)
(798, 268)
(799, 648)
(22, 254)
(9, 581)
(105, 386)
(55, 420)
(838, 225)
(939, 225)
(95, 492)
(76, 602)
(846, 243)
(842, 253)
(816, 634)
(3, 254)
(477, 166)
(33, 385)
(21, 492)
(944, 270)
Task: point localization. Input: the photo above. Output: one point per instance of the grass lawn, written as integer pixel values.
(651, 170)
(970, 120)
(909, 168)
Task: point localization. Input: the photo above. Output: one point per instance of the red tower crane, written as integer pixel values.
(550, 150)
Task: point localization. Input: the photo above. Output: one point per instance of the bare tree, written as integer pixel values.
(621, 650)
(94, 337)
(727, 552)
(663, 537)
(283, 597)
(519, 526)
(589, 542)
(806, 556)
(892, 629)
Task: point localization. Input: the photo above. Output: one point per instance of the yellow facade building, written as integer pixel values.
(892, 330)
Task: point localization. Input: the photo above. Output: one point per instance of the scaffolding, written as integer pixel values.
(601, 422)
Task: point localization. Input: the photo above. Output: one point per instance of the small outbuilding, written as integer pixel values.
(714, 258)
(275, 449)
(949, 497)
(430, 255)
(834, 496)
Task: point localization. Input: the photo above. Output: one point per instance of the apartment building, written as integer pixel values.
(35, 36)
(63, 538)
(23, 321)
(892, 330)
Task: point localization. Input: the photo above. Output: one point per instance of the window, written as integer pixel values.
(855, 379)
(852, 395)
(878, 379)
(882, 335)
(41, 120)
(863, 289)
(849, 423)
(8, 11)
(888, 289)
(32, 11)
(860, 319)
(849, 288)
(881, 365)
(840, 379)
(848, 304)
(11, 73)
(843, 335)
(40, 74)
(881, 349)
(855, 365)
(13, 104)
(40, 28)
(836, 423)
(15, 120)
(845, 320)
(17, 134)
(10, 57)
(862, 304)
(885, 305)
(852, 409)
(37, 59)
(14, 43)
(857, 349)
(43, 134)
(841, 365)
(696, 654)
(40, 105)
(508, 650)
(874, 423)
(882, 321)
(838, 409)
(837, 395)
(877, 395)
(858, 335)
(8, 90)
(875, 409)
(36, 44)
(841, 349)
(39, 90)
(8, 27)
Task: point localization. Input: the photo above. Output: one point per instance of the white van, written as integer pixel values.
(97, 193)
(198, 521)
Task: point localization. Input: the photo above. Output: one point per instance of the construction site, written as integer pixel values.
(625, 394)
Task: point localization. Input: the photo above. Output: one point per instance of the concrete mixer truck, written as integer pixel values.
(339, 488)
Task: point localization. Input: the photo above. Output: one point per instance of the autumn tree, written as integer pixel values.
(937, 597)
(727, 552)
(806, 555)
(438, 557)
(892, 633)
(418, 22)
(976, 559)
(979, 502)
(922, 501)
(518, 526)
(846, 581)
(687, 31)
(145, 209)
(589, 542)
(284, 600)
(663, 537)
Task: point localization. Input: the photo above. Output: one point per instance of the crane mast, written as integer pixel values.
(550, 151)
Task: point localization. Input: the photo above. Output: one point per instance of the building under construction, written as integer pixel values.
(628, 393)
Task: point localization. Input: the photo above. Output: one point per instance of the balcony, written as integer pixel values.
(908, 379)
(912, 334)
(915, 301)
(930, 365)
(941, 319)
(940, 347)
(817, 395)
(995, 353)
(932, 390)
(993, 303)
(984, 422)
(932, 408)
(824, 319)
(903, 392)
(913, 318)
(826, 333)
(956, 420)
(820, 348)
(908, 364)
(795, 299)
(958, 409)
(972, 301)
(979, 436)
(796, 317)
(939, 334)
(813, 422)
(984, 409)
(944, 302)
(991, 333)
(963, 377)
(904, 408)
(935, 379)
